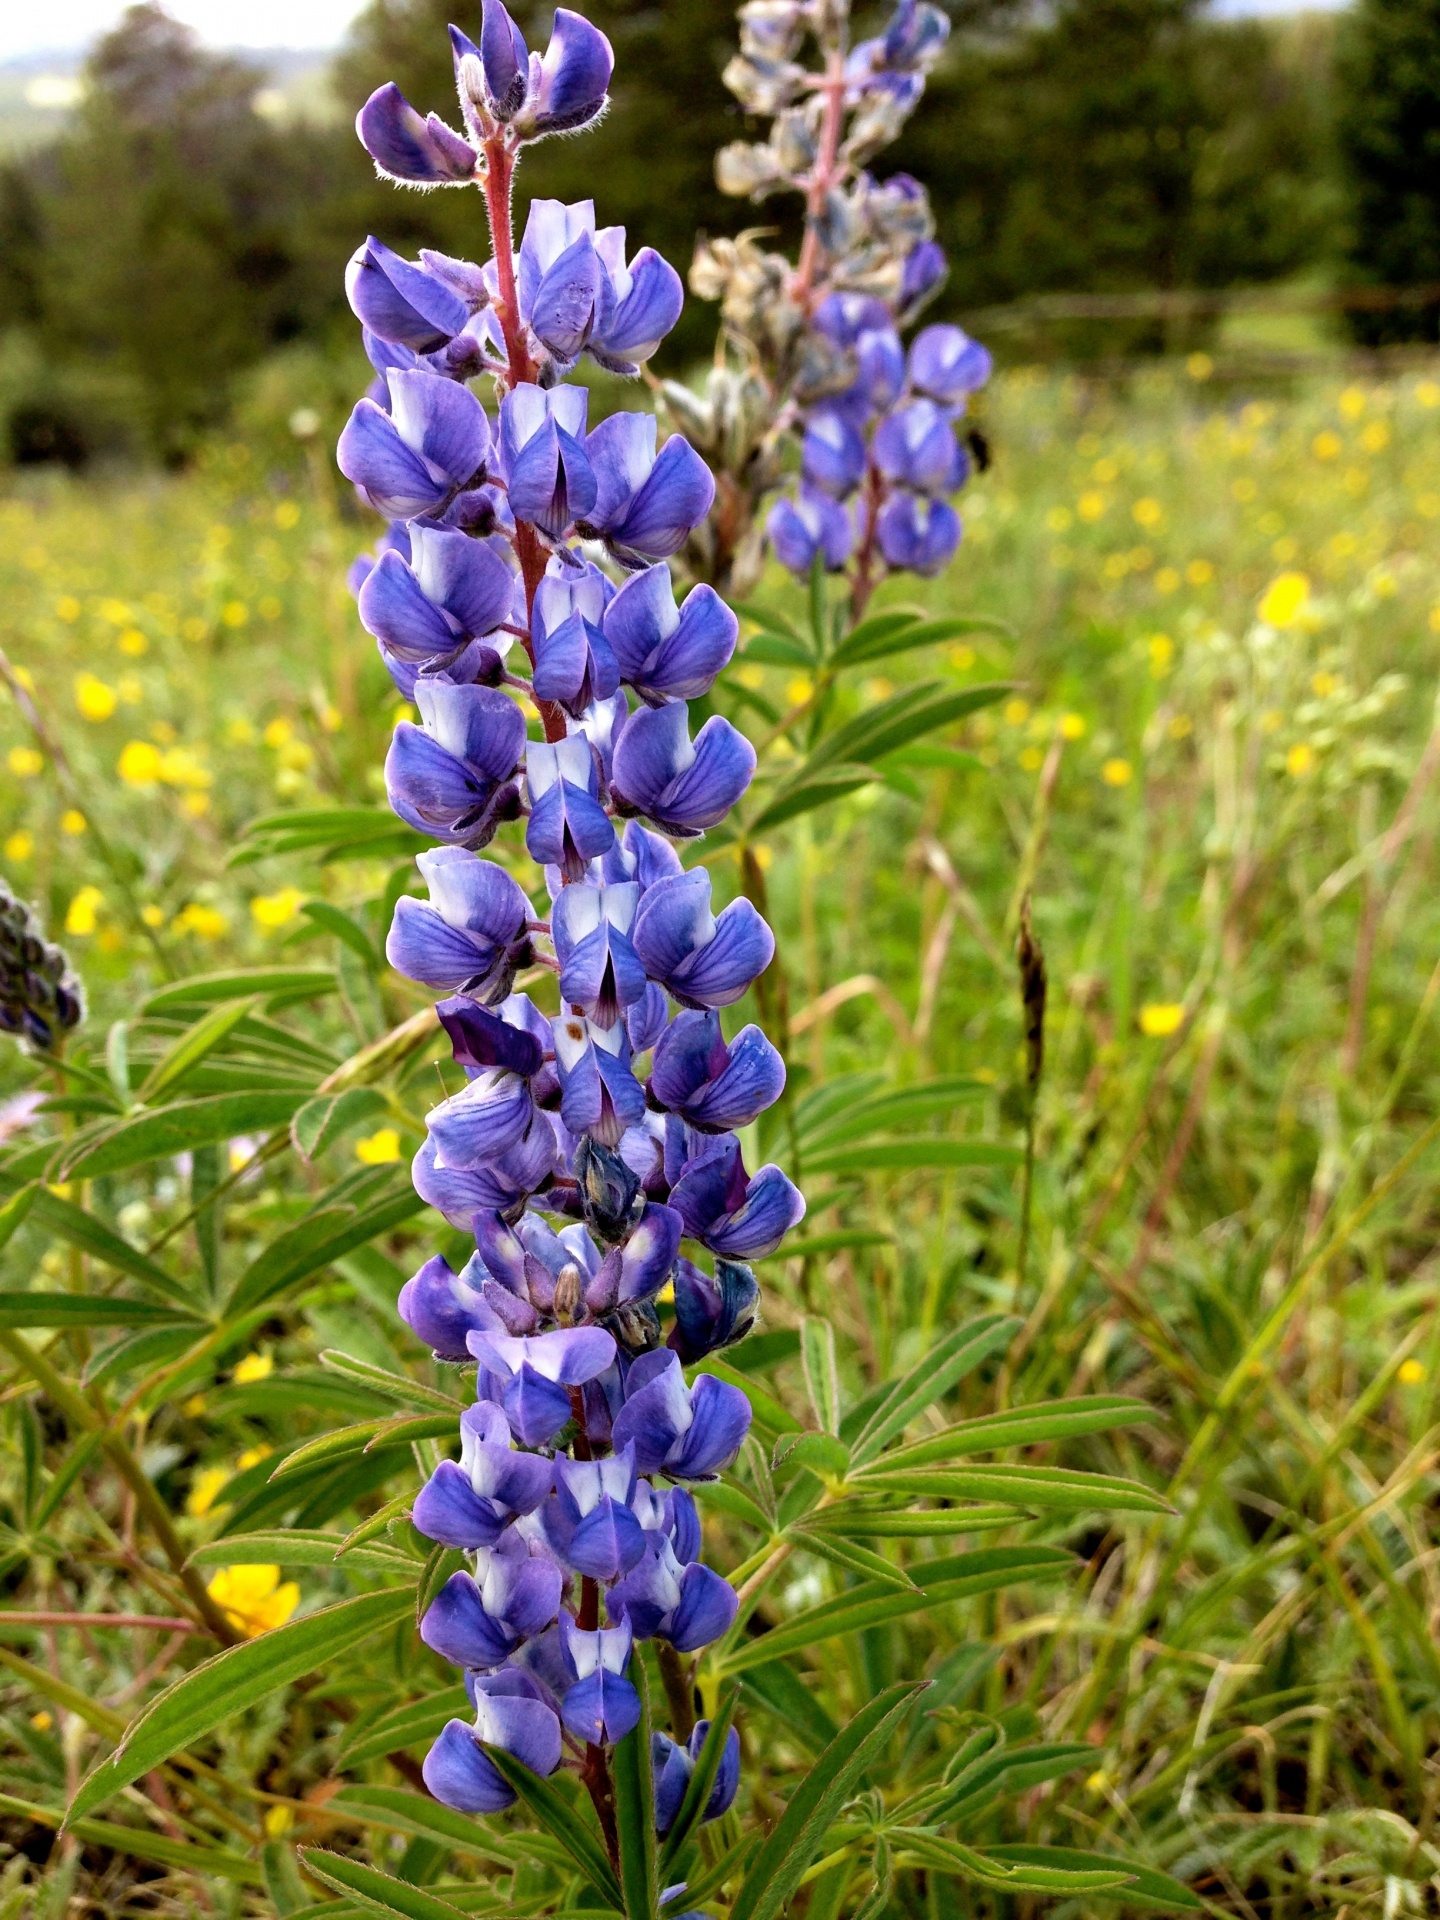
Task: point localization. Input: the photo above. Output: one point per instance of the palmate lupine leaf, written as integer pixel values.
(895, 722)
(236, 1679)
(801, 1829)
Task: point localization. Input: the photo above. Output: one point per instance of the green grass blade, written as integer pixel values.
(205, 989)
(377, 1892)
(86, 1310)
(927, 1153)
(1024, 1426)
(634, 1781)
(176, 1129)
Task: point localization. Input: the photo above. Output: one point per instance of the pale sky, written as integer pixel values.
(224, 23)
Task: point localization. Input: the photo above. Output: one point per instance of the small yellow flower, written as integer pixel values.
(278, 1820)
(1117, 773)
(1106, 470)
(206, 923)
(878, 689)
(1324, 684)
(1285, 548)
(254, 1598)
(1147, 512)
(133, 642)
(1072, 726)
(152, 915)
(1327, 445)
(24, 762)
(1181, 727)
(752, 677)
(67, 607)
(252, 1457)
(83, 911)
(764, 856)
(331, 718)
(195, 804)
(1199, 366)
(1015, 712)
(235, 613)
(205, 1490)
(1432, 619)
(1167, 580)
(240, 733)
(1352, 402)
(1059, 519)
(42, 1721)
(242, 1152)
(111, 940)
(799, 689)
(1271, 720)
(273, 910)
(255, 1366)
(1428, 504)
(297, 756)
(278, 731)
(1410, 1373)
(1200, 572)
(94, 698)
(962, 658)
(1098, 1781)
(1162, 654)
(194, 1406)
(1032, 759)
(1285, 599)
(1376, 437)
(1428, 393)
(72, 822)
(115, 612)
(1299, 759)
(287, 514)
(139, 763)
(20, 845)
(1244, 489)
(1090, 506)
(1159, 1018)
(377, 1149)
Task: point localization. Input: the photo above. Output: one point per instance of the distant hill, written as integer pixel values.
(39, 90)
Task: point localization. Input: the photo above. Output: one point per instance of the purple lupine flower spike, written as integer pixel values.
(414, 459)
(600, 971)
(645, 503)
(471, 936)
(712, 1313)
(725, 1209)
(568, 826)
(575, 664)
(702, 959)
(811, 523)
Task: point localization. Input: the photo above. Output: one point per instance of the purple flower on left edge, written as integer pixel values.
(434, 441)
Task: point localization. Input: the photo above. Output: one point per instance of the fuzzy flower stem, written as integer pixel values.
(499, 180)
(822, 177)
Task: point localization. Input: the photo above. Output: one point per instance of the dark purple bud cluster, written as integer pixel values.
(578, 1173)
(40, 997)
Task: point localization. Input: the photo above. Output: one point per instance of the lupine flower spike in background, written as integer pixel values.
(524, 571)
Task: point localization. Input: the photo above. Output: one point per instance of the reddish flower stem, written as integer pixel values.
(822, 177)
(498, 183)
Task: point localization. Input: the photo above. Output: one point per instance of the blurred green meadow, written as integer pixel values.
(1212, 772)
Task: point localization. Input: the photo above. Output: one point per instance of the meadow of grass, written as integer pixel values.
(1213, 775)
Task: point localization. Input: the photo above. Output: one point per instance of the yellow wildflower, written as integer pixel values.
(1199, 366)
(139, 763)
(1199, 572)
(133, 642)
(278, 1821)
(72, 822)
(115, 612)
(1181, 727)
(254, 1598)
(287, 514)
(24, 762)
(1410, 1373)
(272, 910)
(205, 1490)
(799, 689)
(270, 608)
(1015, 712)
(42, 1721)
(1324, 684)
(1299, 759)
(94, 698)
(20, 845)
(1090, 506)
(1428, 393)
(1072, 726)
(1327, 445)
(1285, 599)
(235, 613)
(252, 1456)
(1167, 580)
(1117, 773)
(962, 657)
(1162, 654)
(255, 1366)
(206, 923)
(1352, 402)
(1376, 437)
(1159, 1018)
(1244, 488)
(277, 732)
(377, 1149)
(752, 677)
(1059, 519)
(1147, 512)
(67, 607)
(80, 917)
(152, 915)
(1032, 759)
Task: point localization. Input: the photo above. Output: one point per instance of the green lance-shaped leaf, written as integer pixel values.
(768, 619)
(86, 1310)
(925, 1153)
(268, 983)
(393, 1386)
(1061, 1488)
(376, 1892)
(1022, 1426)
(842, 1552)
(1009, 1875)
(209, 1032)
(327, 918)
(1147, 1887)
(821, 1452)
(234, 1680)
(886, 1111)
(80, 1229)
(808, 790)
(872, 1603)
(398, 1810)
(166, 1131)
(316, 1242)
(777, 1689)
(953, 1356)
(875, 640)
(297, 1547)
(778, 650)
(909, 1523)
(325, 1119)
(337, 833)
(815, 1803)
(15, 1212)
(562, 1822)
(702, 1781)
(821, 1371)
(634, 1782)
(895, 722)
(995, 1775)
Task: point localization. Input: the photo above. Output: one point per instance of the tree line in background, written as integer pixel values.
(173, 236)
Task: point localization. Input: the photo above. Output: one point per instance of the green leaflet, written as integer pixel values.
(192, 1047)
(808, 790)
(330, 919)
(734, 1501)
(847, 1553)
(296, 1547)
(1023, 1426)
(873, 1602)
(170, 1130)
(398, 1810)
(390, 1386)
(316, 1242)
(895, 722)
(323, 1120)
(801, 1829)
(337, 832)
(15, 1212)
(364, 1437)
(871, 641)
(562, 1822)
(776, 650)
(833, 1099)
(441, 1566)
(234, 1680)
(86, 1310)
(878, 628)
(1060, 1487)
(401, 1727)
(702, 1781)
(630, 1769)
(991, 1870)
(821, 1371)
(927, 1152)
(953, 1356)
(1011, 1770)
(205, 989)
(378, 1892)
(886, 1109)
(142, 1843)
(770, 620)
(146, 1347)
(819, 1451)
(905, 1523)
(80, 1229)
(1148, 1886)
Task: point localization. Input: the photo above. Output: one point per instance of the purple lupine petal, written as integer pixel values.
(772, 1206)
(880, 362)
(665, 652)
(650, 1592)
(922, 275)
(443, 422)
(645, 1021)
(690, 1054)
(400, 303)
(479, 725)
(417, 152)
(656, 1412)
(395, 608)
(440, 1307)
(683, 786)
(468, 578)
(718, 974)
(392, 476)
(449, 1510)
(517, 1587)
(747, 1078)
(441, 795)
(947, 365)
(482, 1039)
(457, 1627)
(648, 300)
(536, 1408)
(606, 1542)
(599, 968)
(522, 1726)
(599, 1095)
(551, 228)
(727, 1780)
(675, 497)
(462, 1192)
(569, 1356)
(477, 1124)
(565, 302)
(673, 920)
(461, 1775)
(647, 1258)
(915, 446)
(707, 1607)
(671, 1766)
(712, 1313)
(643, 857)
(917, 535)
(811, 523)
(720, 1420)
(832, 453)
(574, 75)
(621, 452)
(603, 1706)
(504, 61)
